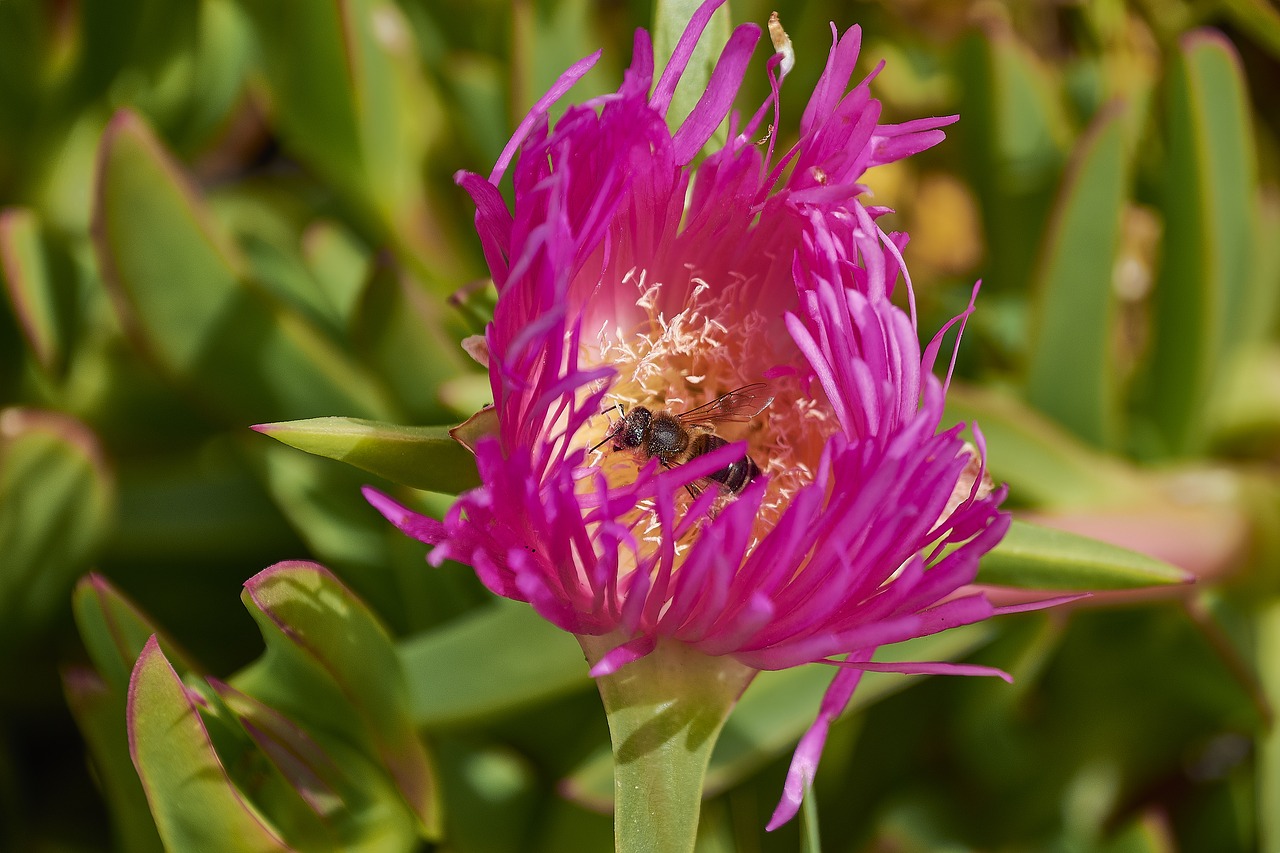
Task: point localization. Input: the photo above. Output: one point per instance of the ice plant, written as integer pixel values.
(631, 275)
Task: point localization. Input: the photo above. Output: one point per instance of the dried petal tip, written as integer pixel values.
(781, 44)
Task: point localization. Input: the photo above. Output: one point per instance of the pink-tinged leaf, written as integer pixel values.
(114, 631)
(57, 502)
(331, 666)
(41, 288)
(184, 296)
(310, 771)
(193, 800)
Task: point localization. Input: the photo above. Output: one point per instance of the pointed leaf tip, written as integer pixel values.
(423, 457)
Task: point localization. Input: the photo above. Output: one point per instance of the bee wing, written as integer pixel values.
(739, 405)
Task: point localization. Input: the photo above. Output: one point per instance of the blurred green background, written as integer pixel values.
(219, 214)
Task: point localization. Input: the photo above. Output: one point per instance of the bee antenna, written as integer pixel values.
(613, 432)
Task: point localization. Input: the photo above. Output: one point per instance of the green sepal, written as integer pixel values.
(777, 709)
(423, 457)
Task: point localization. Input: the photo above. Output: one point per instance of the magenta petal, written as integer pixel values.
(804, 762)
(623, 655)
(419, 526)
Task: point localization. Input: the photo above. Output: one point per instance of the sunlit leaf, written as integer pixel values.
(331, 666)
(421, 457)
(195, 804)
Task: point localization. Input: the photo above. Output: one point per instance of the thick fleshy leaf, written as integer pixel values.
(1201, 296)
(195, 804)
(114, 631)
(1043, 464)
(493, 662)
(777, 709)
(1034, 557)
(421, 457)
(57, 499)
(331, 666)
(1071, 373)
(182, 290)
(41, 287)
(99, 711)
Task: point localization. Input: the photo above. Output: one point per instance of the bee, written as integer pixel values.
(678, 438)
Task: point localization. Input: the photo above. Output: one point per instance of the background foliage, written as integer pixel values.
(220, 213)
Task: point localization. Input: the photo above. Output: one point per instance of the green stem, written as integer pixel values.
(665, 713)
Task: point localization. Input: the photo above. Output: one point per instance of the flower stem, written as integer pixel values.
(665, 712)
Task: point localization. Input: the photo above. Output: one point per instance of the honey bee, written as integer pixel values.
(678, 438)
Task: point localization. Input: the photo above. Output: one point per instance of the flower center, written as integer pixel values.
(670, 365)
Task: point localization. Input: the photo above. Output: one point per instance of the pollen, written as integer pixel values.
(707, 348)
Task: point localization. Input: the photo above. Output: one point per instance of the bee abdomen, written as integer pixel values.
(737, 474)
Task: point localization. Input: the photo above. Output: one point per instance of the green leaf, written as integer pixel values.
(1200, 300)
(1043, 464)
(182, 290)
(1016, 136)
(1260, 19)
(420, 457)
(331, 666)
(41, 286)
(99, 711)
(114, 631)
(57, 499)
(339, 264)
(1035, 557)
(501, 658)
(407, 338)
(195, 804)
(349, 97)
(670, 18)
(1268, 668)
(1071, 373)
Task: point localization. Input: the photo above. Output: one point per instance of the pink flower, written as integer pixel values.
(629, 276)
